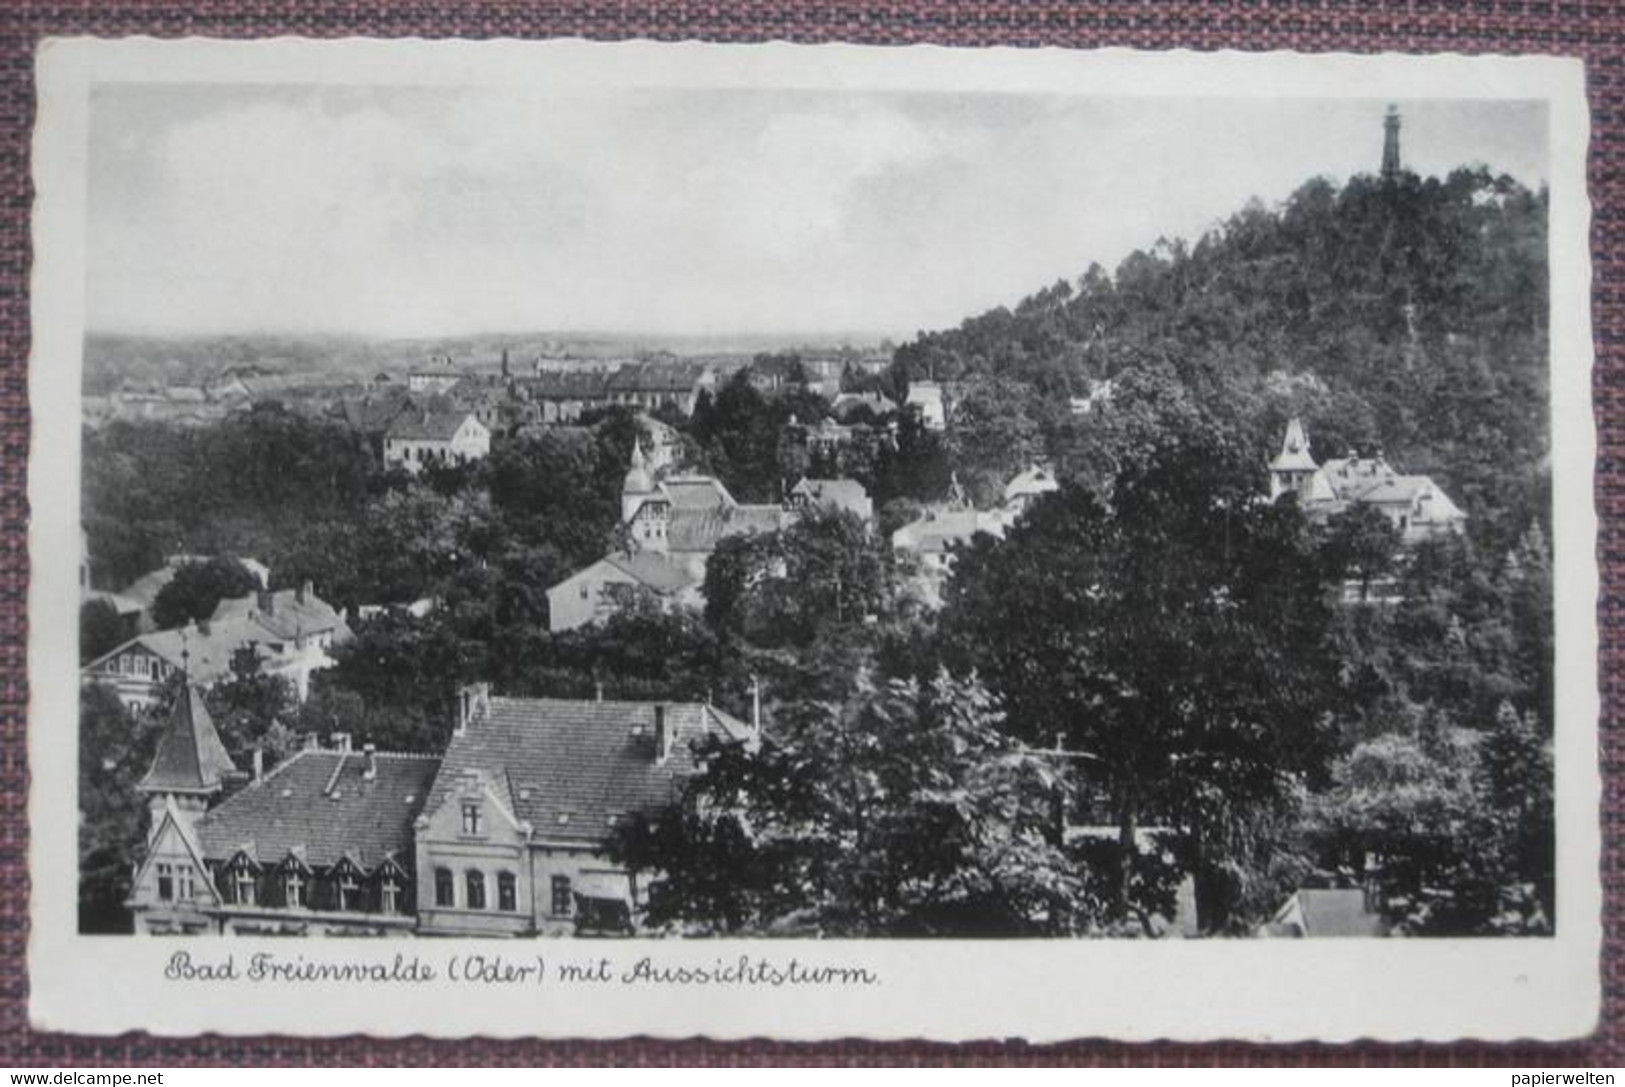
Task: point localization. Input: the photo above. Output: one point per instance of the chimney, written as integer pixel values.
(203, 627)
(663, 734)
(259, 765)
(369, 771)
(473, 703)
(267, 600)
(341, 742)
(305, 591)
(598, 691)
(755, 706)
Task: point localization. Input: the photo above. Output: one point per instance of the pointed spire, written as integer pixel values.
(1294, 450)
(190, 757)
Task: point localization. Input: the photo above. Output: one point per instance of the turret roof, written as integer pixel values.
(190, 756)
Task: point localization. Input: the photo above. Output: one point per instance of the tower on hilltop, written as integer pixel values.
(1390, 144)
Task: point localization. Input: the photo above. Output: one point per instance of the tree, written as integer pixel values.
(907, 811)
(824, 571)
(1361, 544)
(246, 707)
(1459, 825)
(115, 750)
(100, 629)
(197, 589)
(1174, 635)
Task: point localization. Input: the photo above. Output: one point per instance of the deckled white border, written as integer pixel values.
(952, 990)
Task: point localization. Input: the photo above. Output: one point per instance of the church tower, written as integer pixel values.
(190, 767)
(1390, 144)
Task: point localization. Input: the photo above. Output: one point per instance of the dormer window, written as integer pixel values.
(293, 889)
(166, 882)
(349, 891)
(473, 818)
(389, 895)
(243, 886)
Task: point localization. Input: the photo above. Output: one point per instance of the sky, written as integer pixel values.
(409, 212)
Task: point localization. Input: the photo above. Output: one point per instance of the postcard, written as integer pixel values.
(588, 540)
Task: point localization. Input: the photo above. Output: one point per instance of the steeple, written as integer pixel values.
(191, 765)
(638, 484)
(1390, 144)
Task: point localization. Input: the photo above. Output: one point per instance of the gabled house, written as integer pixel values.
(1415, 505)
(321, 845)
(592, 594)
(289, 631)
(438, 375)
(847, 495)
(513, 838)
(417, 439)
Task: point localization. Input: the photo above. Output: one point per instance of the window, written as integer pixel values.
(166, 883)
(185, 882)
(560, 905)
(585, 591)
(476, 889)
(471, 817)
(389, 895)
(444, 892)
(293, 889)
(507, 897)
(349, 891)
(243, 884)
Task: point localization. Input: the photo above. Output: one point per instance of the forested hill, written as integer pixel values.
(1409, 316)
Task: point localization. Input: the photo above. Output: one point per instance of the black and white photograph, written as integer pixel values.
(793, 508)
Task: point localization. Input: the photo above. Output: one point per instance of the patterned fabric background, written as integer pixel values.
(1593, 31)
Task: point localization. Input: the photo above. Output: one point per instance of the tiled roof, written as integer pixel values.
(319, 804)
(700, 529)
(842, 494)
(1294, 455)
(696, 492)
(1033, 481)
(1336, 913)
(569, 768)
(651, 570)
(875, 402)
(205, 652)
(940, 531)
(287, 616)
(565, 385)
(654, 377)
(190, 757)
(426, 426)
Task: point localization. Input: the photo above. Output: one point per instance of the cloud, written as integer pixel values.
(425, 210)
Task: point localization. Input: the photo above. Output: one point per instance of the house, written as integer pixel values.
(876, 404)
(513, 838)
(837, 494)
(1312, 912)
(1028, 487)
(290, 632)
(926, 397)
(683, 517)
(651, 385)
(323, 844)
(1415, 505)
(438, 375)
(933, 539)
(673, 525)
(505, 834)
(563, 396)
(144, 590)
(592, 594)
(1100, 394)
(417, 439)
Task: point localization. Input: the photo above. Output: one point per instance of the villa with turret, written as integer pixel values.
(1415, 505)
(504, 834)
